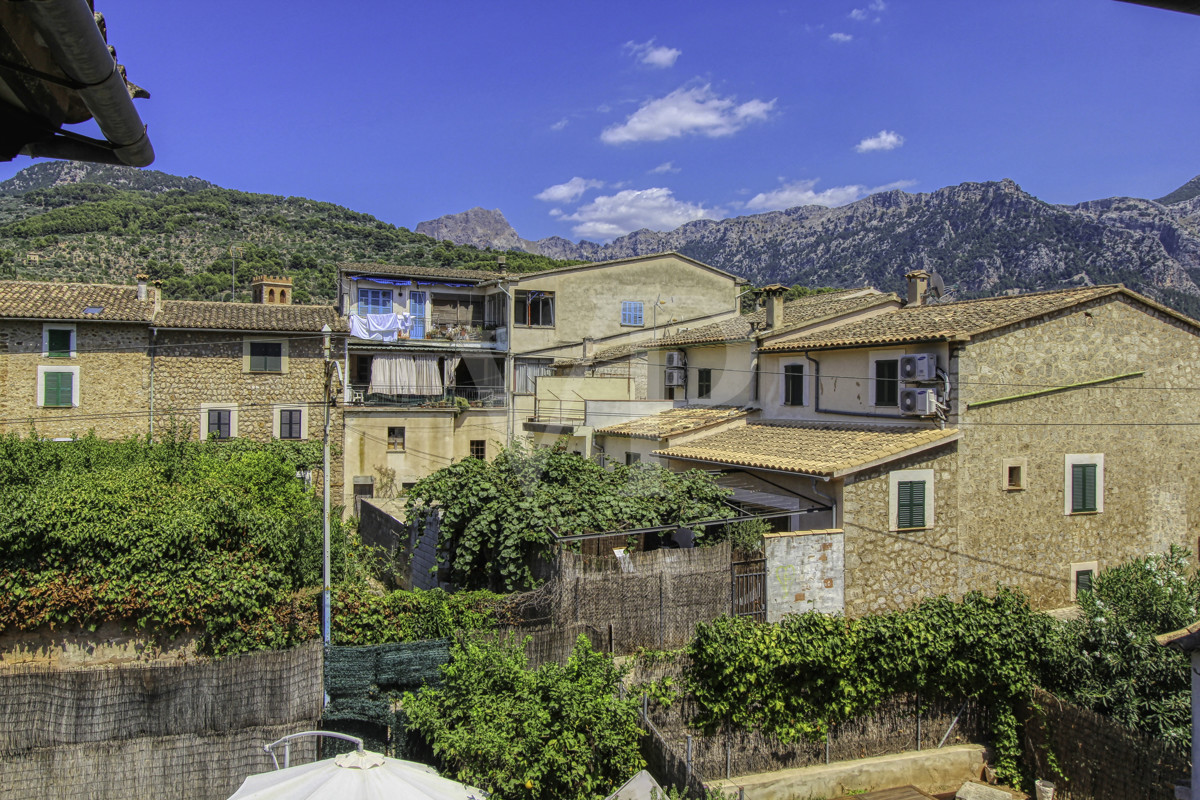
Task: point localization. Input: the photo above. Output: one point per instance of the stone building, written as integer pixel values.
(122, 361)
(940, 448)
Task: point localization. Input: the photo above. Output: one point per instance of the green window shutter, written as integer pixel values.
(58, 343)
(910, 504)
(1083, 487)
(58, 389)
(1083, 581)
(266, 357)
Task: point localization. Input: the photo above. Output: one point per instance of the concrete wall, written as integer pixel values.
(113, 380)
(588, 301)
(731, 368)
(805, 572)
(434, 438)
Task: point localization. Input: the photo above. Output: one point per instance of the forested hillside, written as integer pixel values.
(75, 222)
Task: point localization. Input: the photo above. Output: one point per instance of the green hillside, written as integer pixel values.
(1186, 192)
(68, 222)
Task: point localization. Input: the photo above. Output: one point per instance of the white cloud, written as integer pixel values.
(874, 7)
(665, 168)
(840, 38)
(558, 126)
(695, 110)
(884, 140)
(567, 192)
(803, 193)
(609, 216)
(647, 53)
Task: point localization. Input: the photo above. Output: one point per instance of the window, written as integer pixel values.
(534, 308)
(703, 383)
(57, 386)
(58, 340)
(1084, 484)
(290, 424)
(479, 449)
(887, 382)
(632, 458)
(1082, 575)
(526, 370)
(793, 385)
(395, 438)
(631, 312)
(58, 389)
(374, 301)
(266, 357)
(219, 421)
(910, 499)
(1013, 477)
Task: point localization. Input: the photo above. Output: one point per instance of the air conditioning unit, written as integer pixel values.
(675, 377)
(918, 402)
(918, 367)
(675, 358)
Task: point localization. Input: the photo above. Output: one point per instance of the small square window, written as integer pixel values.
(266, 357)
(59, 389)
(631, 312)
(632, 458)
(395, 438)
(1015, 478)
(703, 383)
(58, 342)
(1082, 575)
(290, 423)
(219, 420)
(479, 449)
(374, 301)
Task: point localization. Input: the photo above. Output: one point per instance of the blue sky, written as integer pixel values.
(590, 119)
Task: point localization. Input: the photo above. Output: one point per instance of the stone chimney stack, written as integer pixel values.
(272, 290)
(141, 284)
(773, 303)
(918, 285)
(157, 296)
(589, 347)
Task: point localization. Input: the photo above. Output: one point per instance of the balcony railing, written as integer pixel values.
(453, 329)
(360, 394)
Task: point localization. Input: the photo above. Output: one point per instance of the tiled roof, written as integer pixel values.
(674, 421)
(819, 449)
(796, 313)
(247, 316)
(945, 321)
(474, 275)
(37, 300)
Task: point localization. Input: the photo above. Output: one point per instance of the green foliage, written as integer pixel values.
(363, 617)
(212, 536)
(746, 537)
(1108, 660)
(499, 517)
(557, 732)
(796, 678)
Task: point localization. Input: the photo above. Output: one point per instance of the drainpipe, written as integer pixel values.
(79, 49)
(153, 347)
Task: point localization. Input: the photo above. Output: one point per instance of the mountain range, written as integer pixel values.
(983, 238)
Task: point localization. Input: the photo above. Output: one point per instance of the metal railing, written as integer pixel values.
(554, 410)
(361, 394)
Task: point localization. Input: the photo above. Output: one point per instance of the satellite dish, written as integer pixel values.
(937, 286)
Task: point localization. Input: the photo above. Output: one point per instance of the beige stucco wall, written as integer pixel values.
(732, 374)
(113, 380)
(434, 438)
(588, 301)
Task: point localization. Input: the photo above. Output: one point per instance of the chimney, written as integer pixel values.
(157, 296)
(272, 290)
(141, 284)
(773, 303)
(918, 285)
(589, 347)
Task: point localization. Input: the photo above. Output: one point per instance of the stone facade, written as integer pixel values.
(111, 373)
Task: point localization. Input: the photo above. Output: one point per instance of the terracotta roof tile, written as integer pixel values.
(824, 450)
(37, 300)
(944, 321)
(675, 421)
(248, 316)
(394, 270)
(796, 313)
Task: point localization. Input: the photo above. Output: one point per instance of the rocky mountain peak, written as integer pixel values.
(48, 174)
(477, 226)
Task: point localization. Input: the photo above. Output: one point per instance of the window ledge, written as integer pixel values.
(1084, 513)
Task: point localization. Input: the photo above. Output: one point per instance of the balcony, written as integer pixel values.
(451, 397)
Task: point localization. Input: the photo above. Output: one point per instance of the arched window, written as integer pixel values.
(271, 296)
(283, 295)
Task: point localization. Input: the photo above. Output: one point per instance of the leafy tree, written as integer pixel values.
(557, 732)
(1108, 660)
(498, 518)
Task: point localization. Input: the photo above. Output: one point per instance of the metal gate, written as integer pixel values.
(749, 589)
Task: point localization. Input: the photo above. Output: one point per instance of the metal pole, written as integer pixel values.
(918, 722)
(689, 755)
(325, 604)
